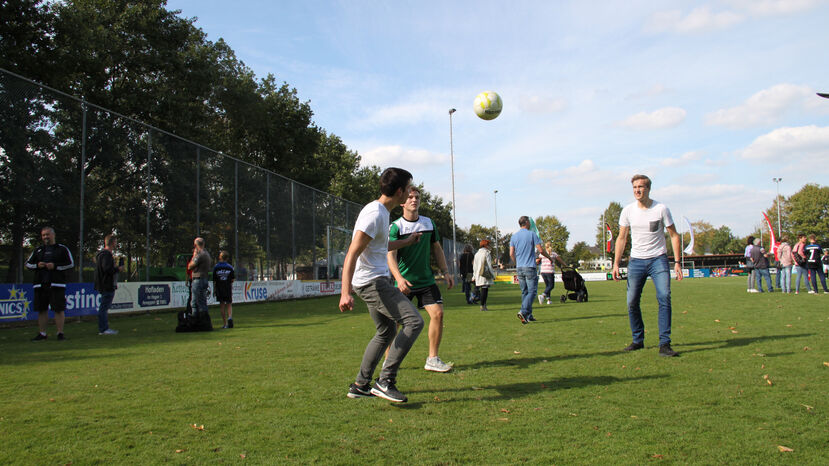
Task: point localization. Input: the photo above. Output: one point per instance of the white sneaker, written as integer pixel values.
(436, 365)
(811, 292)
(548, 302)
(109, 331)
(540, 299)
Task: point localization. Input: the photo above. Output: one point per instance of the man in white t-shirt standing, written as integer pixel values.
(366, 272)
(646, 220)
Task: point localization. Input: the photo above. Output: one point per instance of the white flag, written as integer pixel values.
(690, 248)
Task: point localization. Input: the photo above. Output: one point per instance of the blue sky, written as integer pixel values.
(710, 99)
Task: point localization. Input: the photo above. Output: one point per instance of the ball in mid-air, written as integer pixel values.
(488, 105)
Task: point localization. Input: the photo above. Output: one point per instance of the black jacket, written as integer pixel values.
(465, 262)
(57, 254)
(106, 272)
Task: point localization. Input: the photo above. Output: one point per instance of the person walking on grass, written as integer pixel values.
(50, 262)
(814, 253)
(799, 258)
(106, 282)
(411, 268)
(523, 247)
(547, 268)
(646, 220)
(465, 268)
(223, 278)
(483, 273)
(366, 272)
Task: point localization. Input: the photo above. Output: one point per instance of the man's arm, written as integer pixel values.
(437, 250)
(677, 252)
(358, 244)
(65, 262)
(621, 242)
(402, 243)
(512, 253)
(402, 284)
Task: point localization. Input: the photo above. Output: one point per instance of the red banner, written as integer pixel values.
(774, 244)
(609, 236)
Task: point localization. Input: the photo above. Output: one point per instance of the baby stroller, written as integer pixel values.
(190, 321)
(574, 282)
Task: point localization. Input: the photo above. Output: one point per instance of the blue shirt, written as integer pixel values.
(524, 241)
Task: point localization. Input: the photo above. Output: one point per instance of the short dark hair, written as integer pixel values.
(749, 240)
(110, 240)
(523, 221)
(641, 177)
(224, 256)
(393, 179)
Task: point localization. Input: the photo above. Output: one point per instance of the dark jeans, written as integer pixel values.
(549, 283)
(103, 310)
(813, 278)
(467, 290)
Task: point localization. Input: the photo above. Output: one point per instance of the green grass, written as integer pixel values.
(556, 391)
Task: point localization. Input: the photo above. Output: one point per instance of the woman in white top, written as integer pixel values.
(482, 272)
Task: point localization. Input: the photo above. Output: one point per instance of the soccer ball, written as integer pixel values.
(488, 105)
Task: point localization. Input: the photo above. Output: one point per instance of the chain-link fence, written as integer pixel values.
(88, 171)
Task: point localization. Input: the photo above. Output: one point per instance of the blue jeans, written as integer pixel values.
(638, 272)
(528, 281)
(103, 310)
(758, 280)
(549, 284)
(198, 300)
(800, 272)
(786, 279)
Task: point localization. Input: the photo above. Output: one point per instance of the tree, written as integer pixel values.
(552, 230)
(580, 252)
(724, 242)
(808, 212)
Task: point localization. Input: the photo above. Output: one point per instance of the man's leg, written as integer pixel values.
(637, 275)
(58, 303)
(60, 319)
(822, 280)
(758, 280)
(103, 311)
(522, 283)
(532, 284)
(401, 310)
(661, 277)
(42, 321)
(386, 330)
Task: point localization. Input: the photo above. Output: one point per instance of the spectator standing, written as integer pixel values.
(200, 266)
(465, 267)
(761, 267)
(814, 255)
(50, 262)
(799, 268)
(784, 255)
(106, 282)
(646, 220)
(522, 249)
(750, 264)
(223, 278)
(484, 273)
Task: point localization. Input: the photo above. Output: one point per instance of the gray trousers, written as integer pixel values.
(388, 307)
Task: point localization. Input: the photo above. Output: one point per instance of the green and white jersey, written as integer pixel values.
(413, 260)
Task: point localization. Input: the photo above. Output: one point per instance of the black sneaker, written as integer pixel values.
(229, 323)
(39, 337)
(531, 319)
(666, 351)
(634, 347)
(386, 389)
(522, 318)
(359, 391)
(61, 337)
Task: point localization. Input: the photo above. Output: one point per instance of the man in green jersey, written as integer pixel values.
(411, 268)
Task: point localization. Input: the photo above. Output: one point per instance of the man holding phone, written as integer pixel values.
(106, 281)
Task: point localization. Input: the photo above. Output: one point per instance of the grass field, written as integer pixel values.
(752, 377)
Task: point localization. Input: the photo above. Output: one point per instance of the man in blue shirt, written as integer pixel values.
(522, 249)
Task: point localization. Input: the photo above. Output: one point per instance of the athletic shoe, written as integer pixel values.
(61, 337)
(224, 326)
(522, 318)
(108, 331)
(39, 337)
(548, 301)
(666, 351)
(540, 299)
(812, 292)
(385, 389)
(531, 318)
(634, 347)
(436, 365)
(229, 323)
(359, 391)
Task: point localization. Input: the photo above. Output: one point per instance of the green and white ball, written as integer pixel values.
(488, 105)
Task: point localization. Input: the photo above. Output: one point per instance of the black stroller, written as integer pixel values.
(190, 321)
(573, 282)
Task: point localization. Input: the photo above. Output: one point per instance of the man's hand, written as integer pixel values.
(616, 275)
(450, 282)
(346, 302)
(405, 286)
(414, 238)
(678, 270)
(50, 266)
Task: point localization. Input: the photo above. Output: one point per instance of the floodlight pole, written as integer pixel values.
(777, 182)
(495, 194)
(454, 207)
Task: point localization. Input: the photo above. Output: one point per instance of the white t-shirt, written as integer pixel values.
(373, 221)
(647, 229)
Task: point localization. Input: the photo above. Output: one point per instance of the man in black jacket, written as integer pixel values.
(50, 263)
(106, 279)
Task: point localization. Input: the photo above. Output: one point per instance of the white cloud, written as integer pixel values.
(668, 117)
(682, 159)
(541, 104)
(774, 7)
(586, 173)
(804, 143)
(384, 156)
(700, 19)
(653, 91)
(763, 108)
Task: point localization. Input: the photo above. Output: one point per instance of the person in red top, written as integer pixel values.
(799, 263)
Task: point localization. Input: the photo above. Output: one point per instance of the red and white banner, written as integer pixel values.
(774, 244)
(609, 236)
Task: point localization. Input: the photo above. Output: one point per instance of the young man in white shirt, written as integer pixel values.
(366, 272)
(646, 220)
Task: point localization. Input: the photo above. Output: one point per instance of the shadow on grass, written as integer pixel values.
(517, 390)
(734, 342)
(523, 363)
